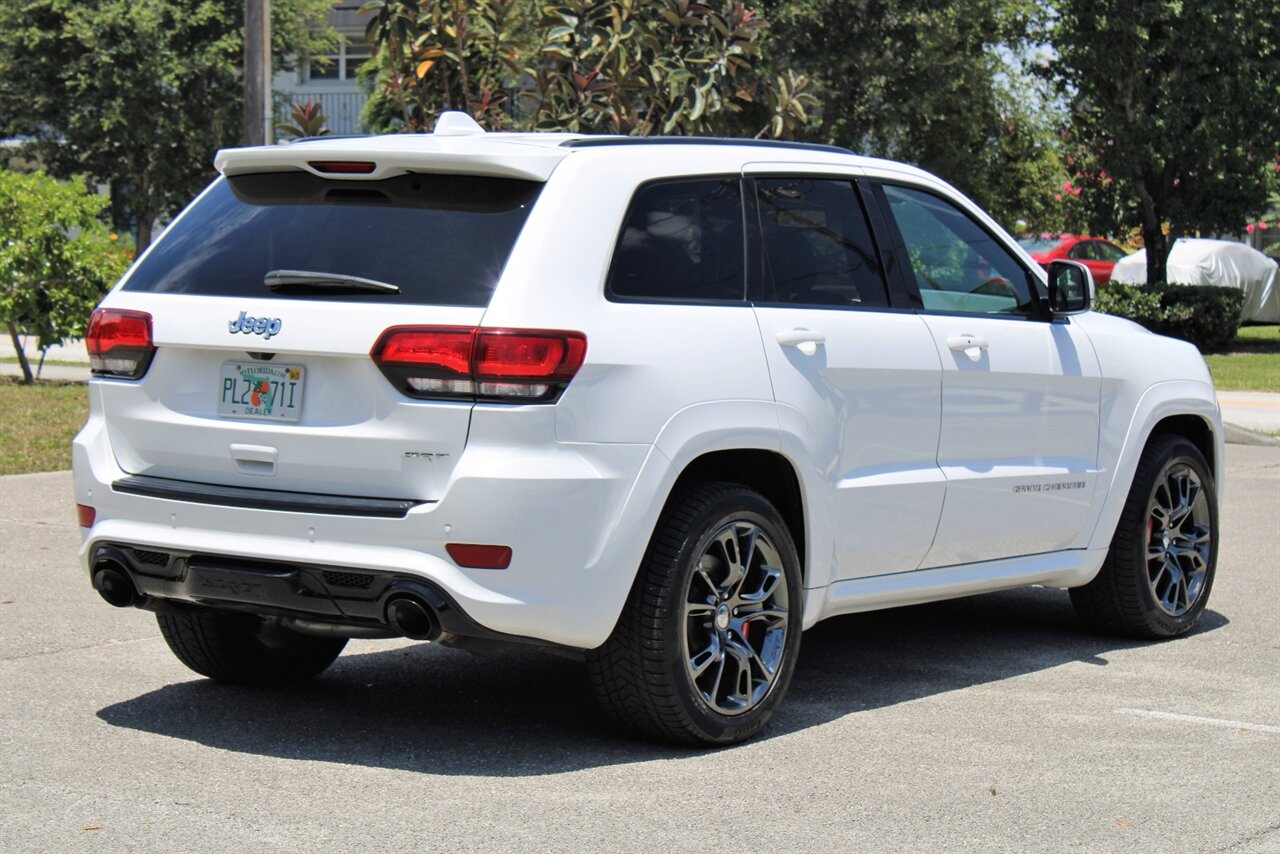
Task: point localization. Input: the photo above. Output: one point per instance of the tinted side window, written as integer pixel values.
(1082, 251)
(817, 245)
(957, 265)
(1108, 251)
(441, 239)
(682, 240)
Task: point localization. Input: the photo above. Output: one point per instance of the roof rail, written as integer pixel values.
(605, 141)
(329, 136)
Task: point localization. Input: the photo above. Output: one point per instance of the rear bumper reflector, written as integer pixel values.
(264, 499)
(478, 556)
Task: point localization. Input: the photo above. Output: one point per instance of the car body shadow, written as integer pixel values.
(429, 709)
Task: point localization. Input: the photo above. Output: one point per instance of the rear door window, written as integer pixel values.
(817, 245)
(439, 239)
(681, 241)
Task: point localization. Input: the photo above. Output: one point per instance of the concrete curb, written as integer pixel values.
(1236, 435)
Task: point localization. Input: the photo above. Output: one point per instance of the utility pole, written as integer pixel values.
(258, 117)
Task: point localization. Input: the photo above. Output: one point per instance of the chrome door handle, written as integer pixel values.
(971, 345)
(806, 341)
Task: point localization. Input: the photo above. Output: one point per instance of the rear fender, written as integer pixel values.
(689, 434)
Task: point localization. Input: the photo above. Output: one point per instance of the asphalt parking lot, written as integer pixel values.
(993, 723)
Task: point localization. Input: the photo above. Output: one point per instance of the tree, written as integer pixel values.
(436, 55)
(934, 83)
(137, 94)
(669, 67)
(611, 66)
(1175, 113)
(57, 259)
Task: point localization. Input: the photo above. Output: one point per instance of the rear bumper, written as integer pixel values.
(576, 517)
(326, 595)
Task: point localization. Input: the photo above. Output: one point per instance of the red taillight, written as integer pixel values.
(479, 557)
(501, 353)
(119, 343)
(86, 515)
(446, 348)
(343, 167)
(516, 365)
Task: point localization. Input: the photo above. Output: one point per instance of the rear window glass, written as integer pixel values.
(440, 239)
(1036, 245)
(682, 241)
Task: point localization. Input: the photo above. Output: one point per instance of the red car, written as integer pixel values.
(1099, 255)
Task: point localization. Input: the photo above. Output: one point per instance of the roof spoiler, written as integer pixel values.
(458, 146)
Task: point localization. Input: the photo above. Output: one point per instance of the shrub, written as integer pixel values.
(1206, 315)
(57, 259)
(308, 122)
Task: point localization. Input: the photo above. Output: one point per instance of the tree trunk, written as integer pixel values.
(144, 230)
(1157, 244)
(22, 357)
(1153, 239)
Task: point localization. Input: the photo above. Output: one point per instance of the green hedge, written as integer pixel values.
(1205, 315)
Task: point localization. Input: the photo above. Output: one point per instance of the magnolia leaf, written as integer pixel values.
(670, 124)
(424, 67)
(699, 105)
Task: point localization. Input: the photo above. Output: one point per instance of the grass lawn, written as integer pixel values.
(37, 424)
(1251, 363)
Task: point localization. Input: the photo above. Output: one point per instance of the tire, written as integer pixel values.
(1156, 579)
(245, 650)
(696, 621)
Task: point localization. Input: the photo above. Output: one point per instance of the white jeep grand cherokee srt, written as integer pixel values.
(664, 402)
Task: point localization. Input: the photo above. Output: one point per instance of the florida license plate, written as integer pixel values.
(258, 390)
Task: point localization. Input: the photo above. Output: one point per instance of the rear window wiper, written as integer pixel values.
(281, 279)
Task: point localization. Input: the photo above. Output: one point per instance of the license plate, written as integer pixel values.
(257, 390)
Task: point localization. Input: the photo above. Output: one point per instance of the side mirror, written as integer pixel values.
(1071, 288)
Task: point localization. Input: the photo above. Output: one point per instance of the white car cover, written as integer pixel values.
(1194, 261)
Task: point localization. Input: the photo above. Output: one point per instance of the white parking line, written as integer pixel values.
(1193, 719)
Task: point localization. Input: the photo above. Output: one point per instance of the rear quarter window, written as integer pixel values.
(681, 241)
(441, 239)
